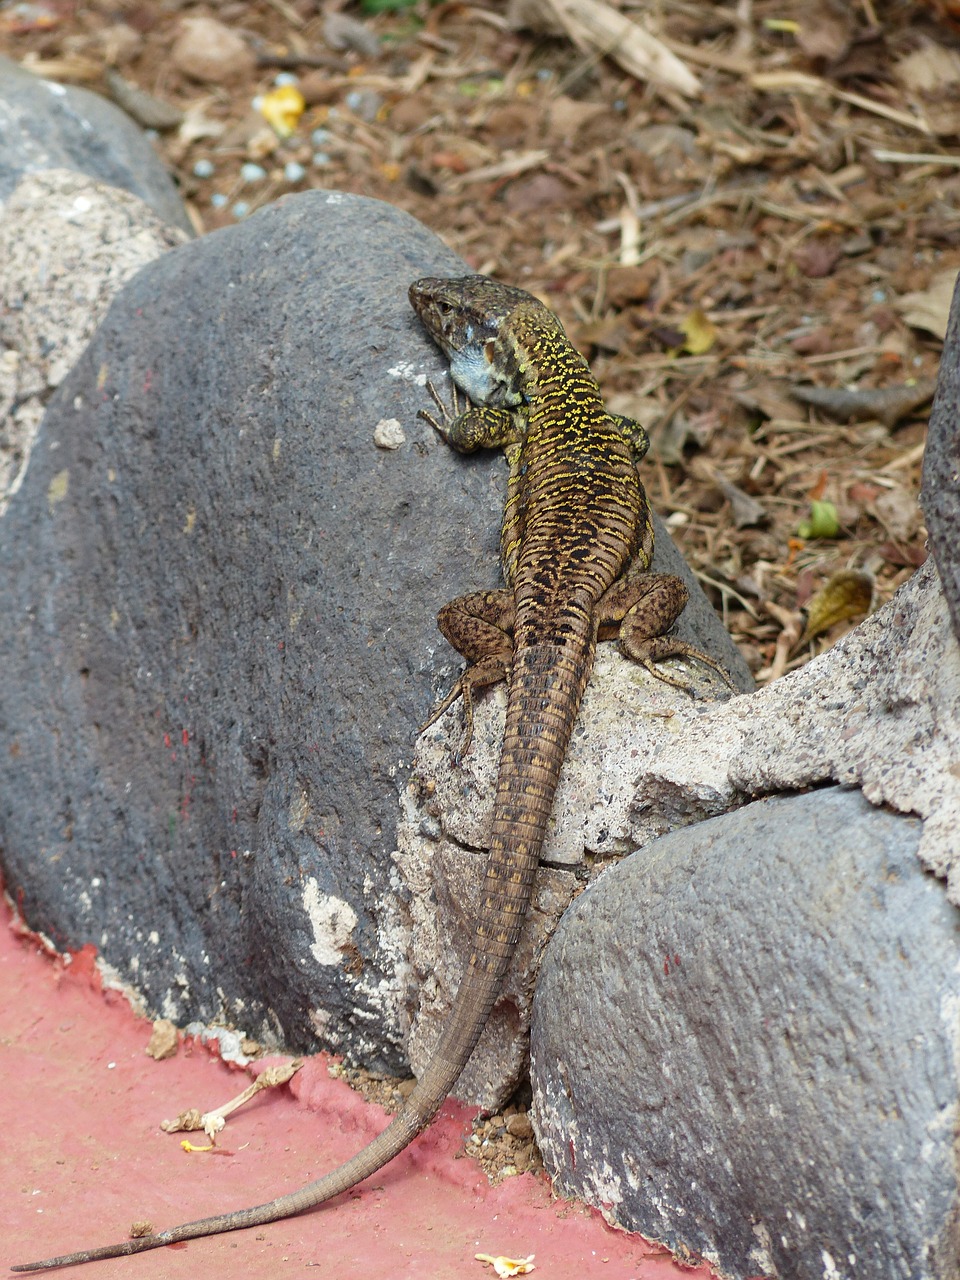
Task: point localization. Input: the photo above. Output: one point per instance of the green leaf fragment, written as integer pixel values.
(823, 523)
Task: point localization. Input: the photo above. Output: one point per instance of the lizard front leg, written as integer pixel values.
(473, 426)
(634, 432)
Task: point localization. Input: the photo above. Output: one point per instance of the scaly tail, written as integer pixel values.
(546, 691)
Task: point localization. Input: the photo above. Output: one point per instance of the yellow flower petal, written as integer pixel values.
(282, 109)
(508, 1266)
(699, 332)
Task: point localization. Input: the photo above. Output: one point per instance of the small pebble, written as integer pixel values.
(240, 209)
(320, 159)
(210, 51)
(252, 172)
(218, 200)
(320, 137)
(286, 77)
(520, 1126)
(389, 434)
(293, 171)
(364, 103)
(203, 169)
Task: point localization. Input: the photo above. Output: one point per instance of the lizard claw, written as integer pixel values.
(448, 414)
(460, 690)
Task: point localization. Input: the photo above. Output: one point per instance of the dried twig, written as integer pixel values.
(595, 26)
(507, 168)
(212, 1122)
(802, 82)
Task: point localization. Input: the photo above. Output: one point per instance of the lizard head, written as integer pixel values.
(466, 316)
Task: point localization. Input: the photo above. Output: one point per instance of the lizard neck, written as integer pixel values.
(553, 378)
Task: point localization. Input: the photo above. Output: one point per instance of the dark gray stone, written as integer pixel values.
(218, 625)
(45, 125)
(940, 495)
(745, 1044)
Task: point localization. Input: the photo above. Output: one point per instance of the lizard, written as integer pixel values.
(576, 546)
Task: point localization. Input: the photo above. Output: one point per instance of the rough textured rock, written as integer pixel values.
(745, 1045)
(881, 709)
(218, 622)
(67, 244)
(940, 496)
(44, 125)
(442, 843)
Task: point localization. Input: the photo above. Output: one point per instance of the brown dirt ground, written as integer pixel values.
(708, 252)
(502, 1144)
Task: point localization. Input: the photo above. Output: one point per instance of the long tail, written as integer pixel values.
(547, 685)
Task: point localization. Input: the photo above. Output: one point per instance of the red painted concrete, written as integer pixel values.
(83, 1157)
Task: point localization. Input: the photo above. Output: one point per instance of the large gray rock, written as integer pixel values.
(628, 716)
(45, 125)
(218, 626)
(745, 1045)
(940, 495)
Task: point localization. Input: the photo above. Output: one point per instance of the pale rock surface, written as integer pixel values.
(67, 244)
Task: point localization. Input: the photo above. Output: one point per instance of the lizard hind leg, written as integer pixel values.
(639, 609)
(480, 627)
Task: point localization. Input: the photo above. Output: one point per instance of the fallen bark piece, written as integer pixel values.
(886, 404)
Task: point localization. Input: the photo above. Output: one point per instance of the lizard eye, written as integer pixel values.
(488, 350)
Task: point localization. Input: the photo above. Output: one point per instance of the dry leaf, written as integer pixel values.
(567, 116)
(824, 34)
(846, 595)
(929, 69)
(768, 399)
(148, 111)
(746, 510)
(899, 513)
(817, 257)
(647, 410)
(929, 309)
(343, 32)
(699, 332)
